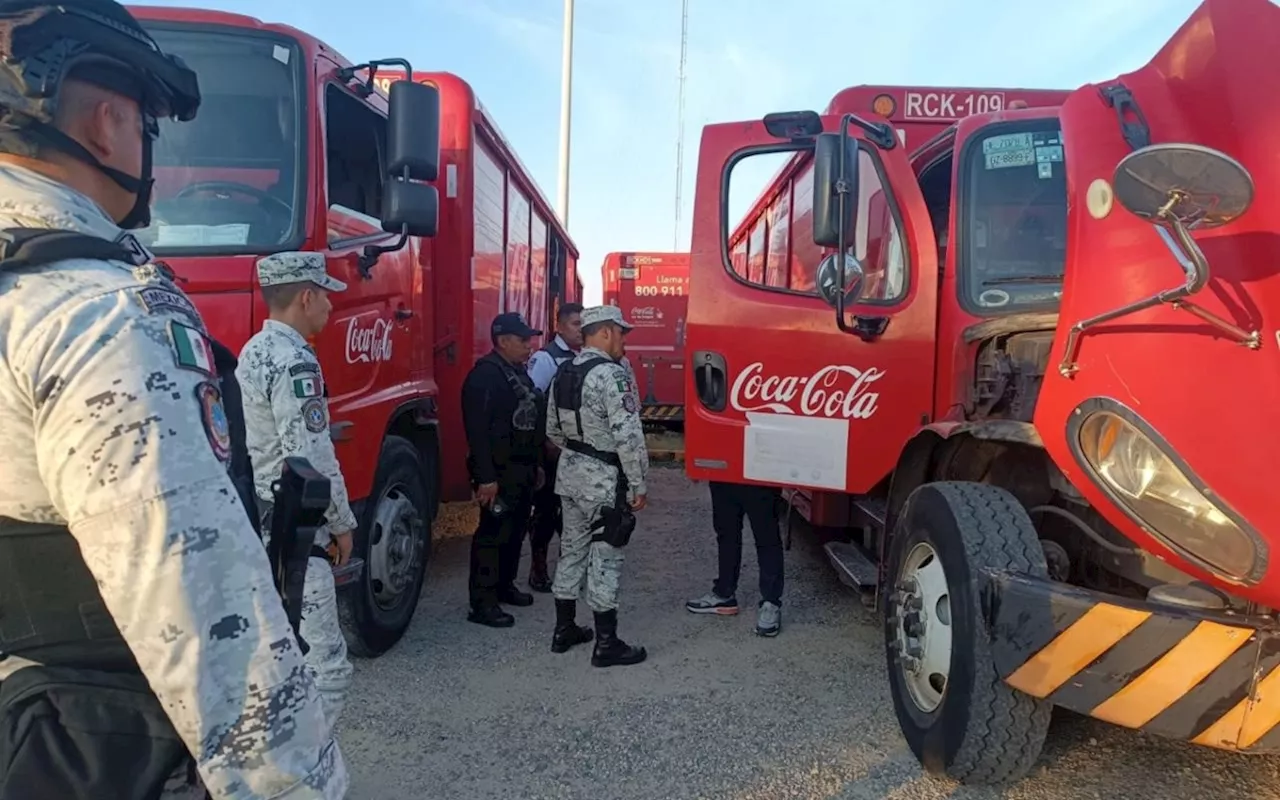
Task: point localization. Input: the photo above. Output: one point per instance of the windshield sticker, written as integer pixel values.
(1046, 169)
(1003, 159)
(993, 298)
(280, 54)
(1009, 141)
(201, 235)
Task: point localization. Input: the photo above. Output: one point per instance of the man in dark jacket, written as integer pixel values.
(504, 417)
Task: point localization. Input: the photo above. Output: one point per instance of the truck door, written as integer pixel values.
(776, 391)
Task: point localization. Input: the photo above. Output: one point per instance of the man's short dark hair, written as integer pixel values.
(567, 310)
(596, 327)
(281, 296)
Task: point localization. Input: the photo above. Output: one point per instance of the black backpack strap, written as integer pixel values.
(33, 247)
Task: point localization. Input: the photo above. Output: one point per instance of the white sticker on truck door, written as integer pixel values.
(795, 450)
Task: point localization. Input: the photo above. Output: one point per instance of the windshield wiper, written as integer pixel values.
(1024, 279)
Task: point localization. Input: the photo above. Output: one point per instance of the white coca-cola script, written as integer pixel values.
(368, 344)
(836, 390)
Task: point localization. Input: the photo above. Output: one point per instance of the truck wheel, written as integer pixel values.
(394, 540)
(959, 718)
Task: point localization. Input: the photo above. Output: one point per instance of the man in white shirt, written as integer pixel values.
(542, 367)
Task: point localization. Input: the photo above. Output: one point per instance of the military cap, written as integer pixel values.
(285, 268)
(595, 314)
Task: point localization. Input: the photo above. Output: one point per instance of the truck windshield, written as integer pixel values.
(1013, 218)
(229, 181)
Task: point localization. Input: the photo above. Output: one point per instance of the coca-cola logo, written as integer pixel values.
(646, 312)
(368, 344)
(836, 390)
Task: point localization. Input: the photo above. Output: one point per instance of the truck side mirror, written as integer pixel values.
(835, 175)
(415, 205)
(413, 131)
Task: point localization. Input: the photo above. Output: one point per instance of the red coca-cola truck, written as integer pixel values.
(652, 289)
(421, 207)
(1037, 362)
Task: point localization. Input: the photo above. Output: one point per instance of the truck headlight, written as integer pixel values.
(1159, 495)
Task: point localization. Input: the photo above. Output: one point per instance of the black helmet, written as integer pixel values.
(42, 42)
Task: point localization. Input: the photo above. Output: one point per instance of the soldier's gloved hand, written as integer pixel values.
(640, 502)
(485, 494)
(342, 546)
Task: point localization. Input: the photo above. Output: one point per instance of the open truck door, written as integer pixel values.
(1162, 386)
(828, 405)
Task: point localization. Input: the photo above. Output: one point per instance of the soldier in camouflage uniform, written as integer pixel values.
(287, 414)
(133, 585)
(594, 418)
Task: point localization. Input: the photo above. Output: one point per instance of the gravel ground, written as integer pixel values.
(463, 712)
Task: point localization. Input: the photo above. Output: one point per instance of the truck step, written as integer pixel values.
(853, 567)
(874, 507)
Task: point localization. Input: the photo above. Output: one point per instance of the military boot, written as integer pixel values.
(568, 632)
(539, 579)
(611, 651)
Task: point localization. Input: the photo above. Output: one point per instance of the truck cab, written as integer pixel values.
(294, 149)
(1035, 357)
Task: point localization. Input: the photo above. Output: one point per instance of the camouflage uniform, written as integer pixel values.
(286, 414)
(114, 430)
(611, 423)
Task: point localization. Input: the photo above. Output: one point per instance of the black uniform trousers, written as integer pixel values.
(495, 547)
(547, 520)
(730, 502)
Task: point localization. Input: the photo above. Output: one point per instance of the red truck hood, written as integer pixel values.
(1212, 401)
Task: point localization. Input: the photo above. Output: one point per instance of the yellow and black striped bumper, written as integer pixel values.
(666, 413)
(1204, 677)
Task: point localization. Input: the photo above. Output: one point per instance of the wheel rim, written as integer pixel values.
(394, 546)
(922, 627)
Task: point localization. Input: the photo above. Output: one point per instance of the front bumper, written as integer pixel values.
(1210, 678)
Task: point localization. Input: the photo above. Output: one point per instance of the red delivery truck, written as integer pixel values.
(652, 289)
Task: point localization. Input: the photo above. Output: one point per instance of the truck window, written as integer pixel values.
(1013, 218)
(230, 180)
(355, 150)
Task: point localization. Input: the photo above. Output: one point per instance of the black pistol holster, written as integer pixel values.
(300, 496)
(616, 522)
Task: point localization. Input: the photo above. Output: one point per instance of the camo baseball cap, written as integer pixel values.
(285, 268)
(595, 314)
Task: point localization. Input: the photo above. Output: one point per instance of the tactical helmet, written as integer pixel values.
(43, 42)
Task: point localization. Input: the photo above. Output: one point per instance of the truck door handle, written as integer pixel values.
(710, 379)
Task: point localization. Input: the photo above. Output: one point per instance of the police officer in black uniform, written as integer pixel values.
(503, 414)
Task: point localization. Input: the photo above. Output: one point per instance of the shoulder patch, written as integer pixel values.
(629, 402)
(307, 386)
(214, 417)
(313, 415)
(304, 366)
(191, 348)
(156, 299)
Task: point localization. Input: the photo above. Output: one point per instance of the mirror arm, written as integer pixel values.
(347, 74)
(878, 133)
(1192, 259)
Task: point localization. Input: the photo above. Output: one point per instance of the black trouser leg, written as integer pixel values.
(546, 513)
(511, 536)
(761, 506)
(726, 519)
(485, 560)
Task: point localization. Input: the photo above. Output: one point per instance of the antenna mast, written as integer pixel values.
(684, 54)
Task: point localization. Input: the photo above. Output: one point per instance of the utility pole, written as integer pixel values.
(684, 54)
(566, 103)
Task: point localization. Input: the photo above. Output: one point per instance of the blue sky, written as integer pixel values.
(746, 58)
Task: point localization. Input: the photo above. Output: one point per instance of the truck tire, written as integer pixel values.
(394, 539)
(959, 718)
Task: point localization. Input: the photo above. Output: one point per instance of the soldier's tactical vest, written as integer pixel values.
(571, 378)
(558, 353)
(52, 613)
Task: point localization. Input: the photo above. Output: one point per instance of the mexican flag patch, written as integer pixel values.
(191, 349)
(306, 387)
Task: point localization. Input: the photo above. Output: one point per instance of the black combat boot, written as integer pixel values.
(568, 633)
(610, 651)
(539, 580)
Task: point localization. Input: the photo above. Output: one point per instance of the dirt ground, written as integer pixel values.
(462, 712)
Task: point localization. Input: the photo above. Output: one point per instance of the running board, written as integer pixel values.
(853, 567)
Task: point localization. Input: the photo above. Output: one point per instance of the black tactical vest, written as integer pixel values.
(558, 354)
(570, 380)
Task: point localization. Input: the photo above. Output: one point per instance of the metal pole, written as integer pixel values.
(566, 102)
(684, 54)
